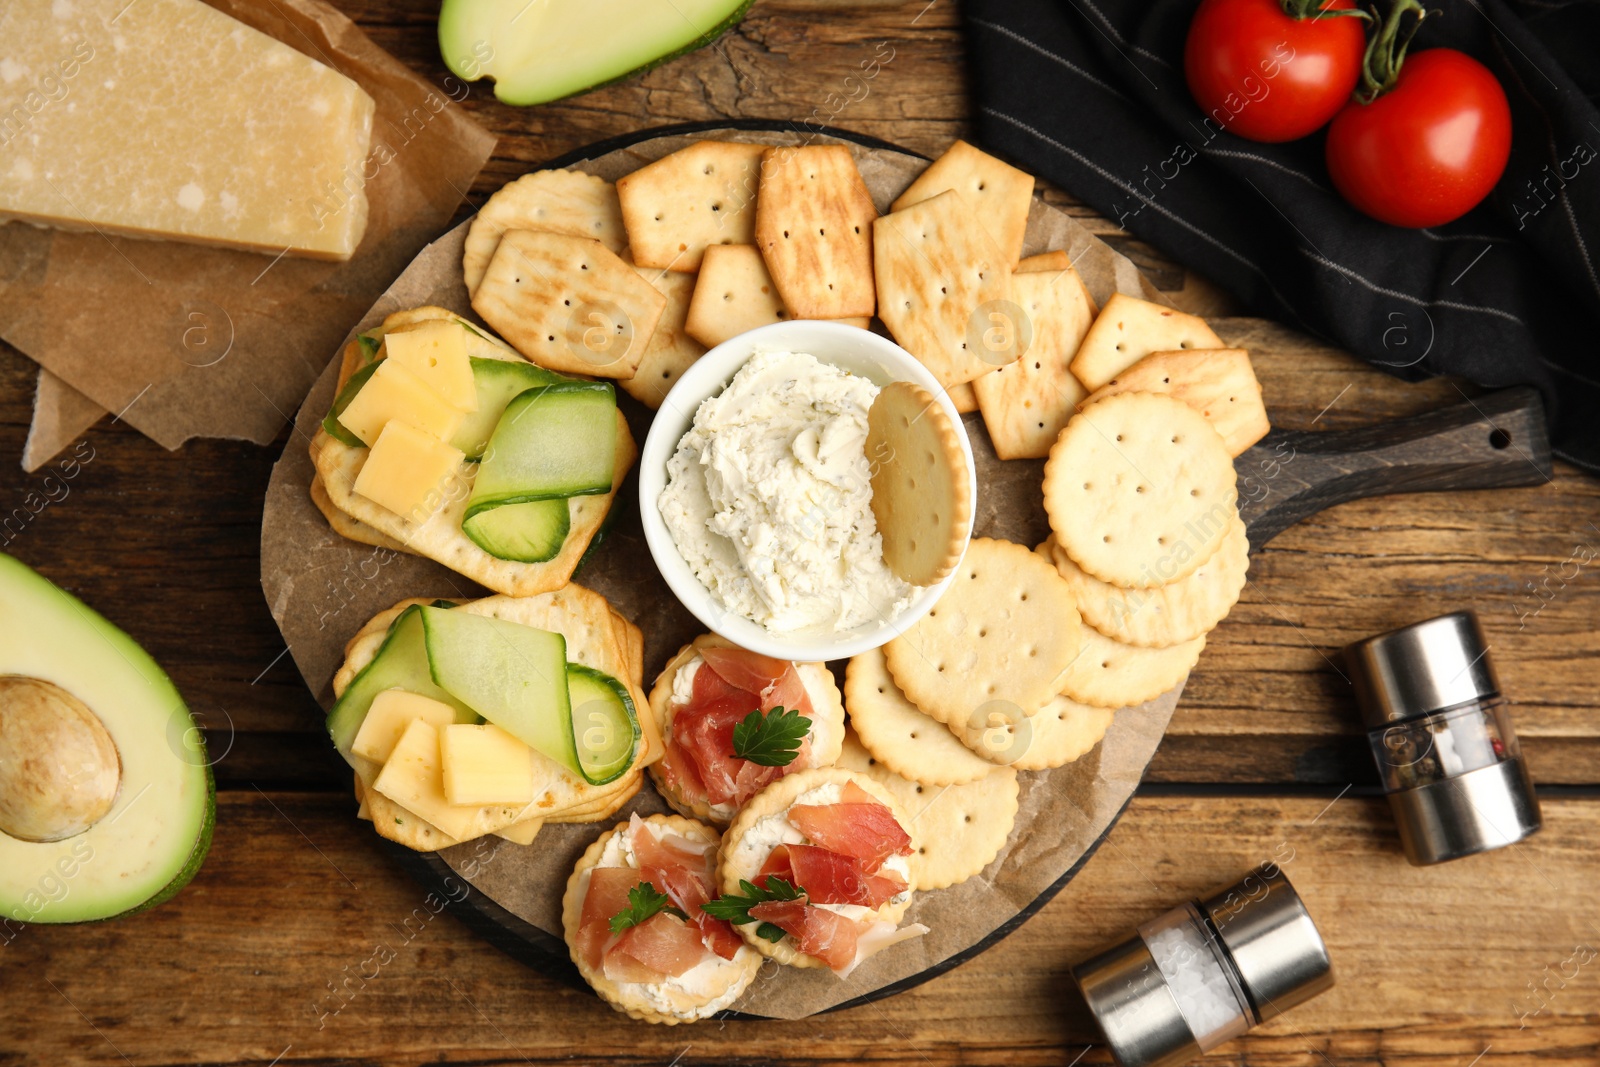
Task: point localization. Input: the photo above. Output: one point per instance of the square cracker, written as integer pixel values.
(936, 268)
(1128, 329)
(439, 537)
(561, 201)
(1025, 404)
(671, 350)
(814, 228)
(999, 192)
(569, 303)
(962, 396)
(585, 620)
(698, 196)
(734, 293)
(1044, 261)
(1219, 383)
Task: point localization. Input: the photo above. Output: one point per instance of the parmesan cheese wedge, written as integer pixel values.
(169, 119)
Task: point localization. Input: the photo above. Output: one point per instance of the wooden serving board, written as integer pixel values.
(1492, 441)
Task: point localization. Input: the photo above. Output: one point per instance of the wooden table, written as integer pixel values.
(259, 960)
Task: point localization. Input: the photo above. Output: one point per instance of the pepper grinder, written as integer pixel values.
(1442, 738)
(1206, 971)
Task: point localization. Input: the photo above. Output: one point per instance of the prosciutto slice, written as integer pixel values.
(818, 932)
(830, 878)
(730, 684)
(663, 946)
(857, 826)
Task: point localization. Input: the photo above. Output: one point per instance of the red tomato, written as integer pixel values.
(1428, 150)
(1267, 76)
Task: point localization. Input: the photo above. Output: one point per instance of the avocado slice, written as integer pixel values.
(121, 818)
(545, 51)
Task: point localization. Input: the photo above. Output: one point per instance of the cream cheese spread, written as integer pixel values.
(769, 499)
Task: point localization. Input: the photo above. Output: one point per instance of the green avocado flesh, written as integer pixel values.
(542, 51)
(151, 841)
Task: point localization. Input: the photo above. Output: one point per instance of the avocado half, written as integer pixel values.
(106, 797)
(546, 49)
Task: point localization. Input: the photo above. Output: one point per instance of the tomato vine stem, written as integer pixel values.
(1386, 49)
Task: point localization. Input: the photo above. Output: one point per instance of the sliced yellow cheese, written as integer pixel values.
(485, 765)
(407, 469)
(412, 779)
(168, 118)
(387, 718)
(393, 392)
(436, 352)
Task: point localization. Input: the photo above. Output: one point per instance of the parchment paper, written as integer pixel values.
(321, 588)
(186, 341)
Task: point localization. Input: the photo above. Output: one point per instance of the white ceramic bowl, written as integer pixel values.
(847, 347)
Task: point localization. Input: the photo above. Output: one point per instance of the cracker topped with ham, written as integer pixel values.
(635, 925)
(816, 870)
(718, 757)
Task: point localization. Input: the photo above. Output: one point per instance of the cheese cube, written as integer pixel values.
(412, 779)
(168, 118)
(485, 765)
(393, 392)
(406, 470)
(436, 352)
(388, 716)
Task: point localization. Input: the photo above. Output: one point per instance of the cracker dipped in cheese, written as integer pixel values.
(816, 873)
(634, 922)
(494, 716)
(442, 439)
(733, 722)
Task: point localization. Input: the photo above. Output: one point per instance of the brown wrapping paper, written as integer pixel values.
(321, 589)
(186, 341)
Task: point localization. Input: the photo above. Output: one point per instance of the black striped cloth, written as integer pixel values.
(1091, 94)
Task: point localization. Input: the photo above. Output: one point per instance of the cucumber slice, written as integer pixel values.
(498, 380)
(530, 532)
(515, 676)
(401, 663)
(605, 723)
(540, 52)
(369, 346)
(553, 441)
(331, 421)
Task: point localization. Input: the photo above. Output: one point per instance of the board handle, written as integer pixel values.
(1488, 442)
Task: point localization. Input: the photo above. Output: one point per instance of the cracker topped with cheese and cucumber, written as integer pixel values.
(446, 441)
(493, 716)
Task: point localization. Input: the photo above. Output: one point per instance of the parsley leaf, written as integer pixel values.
(773, 739)
(736, 909)
(643, 903)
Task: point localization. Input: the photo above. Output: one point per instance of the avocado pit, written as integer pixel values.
(59, 769)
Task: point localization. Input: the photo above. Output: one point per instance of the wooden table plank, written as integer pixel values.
(244, 967)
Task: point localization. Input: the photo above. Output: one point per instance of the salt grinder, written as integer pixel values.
(1206, 972)
(1442, 737)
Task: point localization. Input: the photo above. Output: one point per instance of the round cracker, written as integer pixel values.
(960, 828)
(1139, 488)
(1006, 629)
(1055, 735)
(827, 731)
(921, 490)
(1110, 674)
(898, 735)
(730, 981)
(742, 857)
(557, 201)
(1165, 614)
